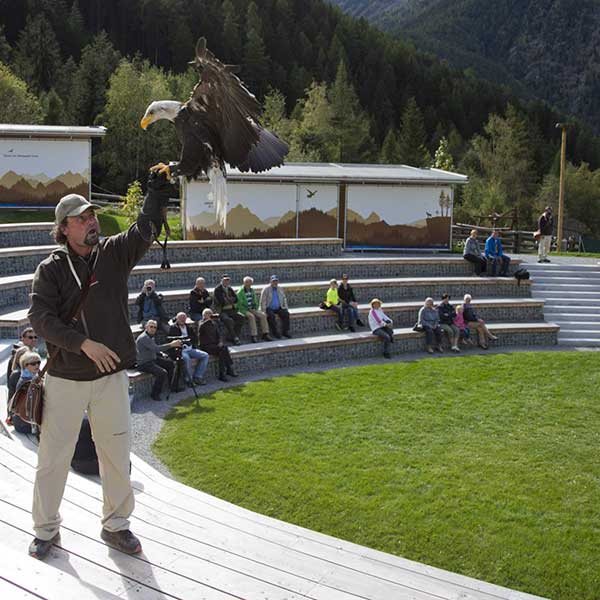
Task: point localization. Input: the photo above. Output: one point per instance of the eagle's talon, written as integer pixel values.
(162, 169)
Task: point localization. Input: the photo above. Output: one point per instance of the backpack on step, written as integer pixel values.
(521, 274)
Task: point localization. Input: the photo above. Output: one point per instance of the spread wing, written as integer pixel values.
(228, 110)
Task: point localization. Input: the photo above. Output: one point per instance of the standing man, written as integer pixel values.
(89, 357)
(545, 227)
(495, 254)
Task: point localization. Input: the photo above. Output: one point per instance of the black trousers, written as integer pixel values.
(479, 263)
(233, 321)
(162, 369)
(284, 315)
(222, 353)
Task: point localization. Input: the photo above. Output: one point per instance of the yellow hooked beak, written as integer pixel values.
(145, 122)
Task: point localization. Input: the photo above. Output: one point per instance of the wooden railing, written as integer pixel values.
(515, 242)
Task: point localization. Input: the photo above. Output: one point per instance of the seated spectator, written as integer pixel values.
(30, 363)
(381, 326)
(16, 372)
(459, 321)
(247, 305)
(189, 350)
(332, 302)
(150, 306)
(349, 303)
(199, 299)
(225, 302)
(28, 340)
(151, 359)
(429, 320)
(495, 254)
(472, 253)
(274, 302)
(474, 322)
(447, 315)
(211, 340)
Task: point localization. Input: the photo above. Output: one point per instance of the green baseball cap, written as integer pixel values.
(71, 205)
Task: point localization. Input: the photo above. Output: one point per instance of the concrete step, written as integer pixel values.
(572, 311)
(310, 320)
(579, 285)
(576, 342)
(578, 331)
(558, 267)
(14, 291)
(24, 234)
(25, 259)
(575, 320)
(248, 358)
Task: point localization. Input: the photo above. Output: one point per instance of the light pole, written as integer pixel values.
(561, 187)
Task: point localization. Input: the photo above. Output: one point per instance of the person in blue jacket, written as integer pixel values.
(495, 254)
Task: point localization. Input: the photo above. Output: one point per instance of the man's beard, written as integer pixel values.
(91, 238)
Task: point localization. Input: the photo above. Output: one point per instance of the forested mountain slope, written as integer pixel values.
(549, 49)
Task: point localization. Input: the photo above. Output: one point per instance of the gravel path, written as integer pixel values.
(147, 415)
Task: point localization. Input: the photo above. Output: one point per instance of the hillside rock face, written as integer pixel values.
(549, 49)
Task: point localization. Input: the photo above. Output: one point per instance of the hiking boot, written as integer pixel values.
(288, 335)
(123, 540)
(222, 377)
(155, 397)
(267, 337)
(387, 355)
(254, 339)
(352, 329)
(231, 373)
(429, 349)
(199, 381)
(360, 323)
(338, 327)
(40, 548)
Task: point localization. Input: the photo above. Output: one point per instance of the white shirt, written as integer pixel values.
(377, 319)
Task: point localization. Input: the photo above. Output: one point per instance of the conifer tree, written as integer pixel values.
(390, 149)
(350, 123)
(412, 139)
(232, 39)
(98, 62)
(443, 159)
(256, 62)
(53, 107)
(5, 49)
(37, 54)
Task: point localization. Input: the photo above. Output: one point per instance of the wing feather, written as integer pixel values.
(225, 106)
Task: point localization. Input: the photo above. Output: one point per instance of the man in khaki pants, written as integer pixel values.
(248, 306)
(87, 369)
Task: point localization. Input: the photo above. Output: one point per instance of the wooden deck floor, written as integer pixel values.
(197, 547)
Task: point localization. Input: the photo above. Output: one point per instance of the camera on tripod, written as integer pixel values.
(185, 339)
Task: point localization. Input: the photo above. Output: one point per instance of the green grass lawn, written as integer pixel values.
(483, 465)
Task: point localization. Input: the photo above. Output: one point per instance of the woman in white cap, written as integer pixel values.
(381, 326)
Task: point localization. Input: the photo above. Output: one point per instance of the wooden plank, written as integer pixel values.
(160, 549)
(302, 549)
(11, 591)
(45, 581)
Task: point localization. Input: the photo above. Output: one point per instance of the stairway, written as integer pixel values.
(572, 299)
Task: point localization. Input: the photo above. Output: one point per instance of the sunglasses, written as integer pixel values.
(31, 337)
(33, 364)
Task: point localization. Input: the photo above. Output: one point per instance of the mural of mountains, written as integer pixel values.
(41, 190)
(546, 49)
(241, 222)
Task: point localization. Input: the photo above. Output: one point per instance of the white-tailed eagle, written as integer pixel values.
(218, 125)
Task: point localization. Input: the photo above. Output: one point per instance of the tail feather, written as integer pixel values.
(218, 194)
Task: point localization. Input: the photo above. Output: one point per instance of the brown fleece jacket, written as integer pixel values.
(105, 316)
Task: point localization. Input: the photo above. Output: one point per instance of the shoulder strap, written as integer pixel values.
(74, 315)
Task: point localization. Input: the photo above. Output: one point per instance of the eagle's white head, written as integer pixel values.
(161, 109)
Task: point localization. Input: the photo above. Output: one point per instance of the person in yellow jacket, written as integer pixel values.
(332, 302)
